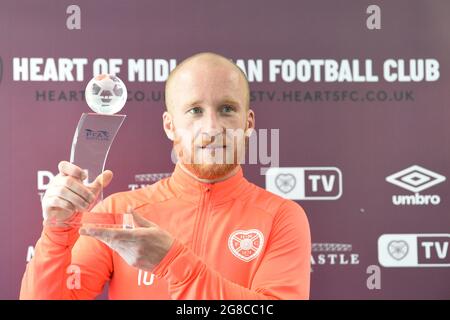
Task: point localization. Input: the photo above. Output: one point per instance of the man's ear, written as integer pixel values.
(168, 126)
(250, 125)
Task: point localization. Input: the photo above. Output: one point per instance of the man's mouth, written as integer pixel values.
(211, 146)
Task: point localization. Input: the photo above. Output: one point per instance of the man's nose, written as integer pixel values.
(210, 124)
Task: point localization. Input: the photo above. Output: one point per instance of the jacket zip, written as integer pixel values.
(202, 218)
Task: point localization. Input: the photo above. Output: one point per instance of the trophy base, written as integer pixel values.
(96, 219)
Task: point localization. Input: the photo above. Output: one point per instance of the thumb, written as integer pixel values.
(140, 220)
(102, 181)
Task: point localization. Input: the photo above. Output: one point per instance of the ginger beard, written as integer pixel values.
(210, 157)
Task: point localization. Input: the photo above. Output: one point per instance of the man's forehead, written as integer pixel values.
(204, 84)
(193, 74)
(207, 77)
(206, 60)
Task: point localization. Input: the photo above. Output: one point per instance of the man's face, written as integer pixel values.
(209, 118)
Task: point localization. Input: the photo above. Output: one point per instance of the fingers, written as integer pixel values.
(65, 193)
(69, 169)
(102, 181)
(106, 235)
(140, 221)
(64, 183)
(52, 202)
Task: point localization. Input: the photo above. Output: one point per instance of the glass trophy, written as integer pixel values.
(94, 135)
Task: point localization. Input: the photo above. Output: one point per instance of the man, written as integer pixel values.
(204, 233)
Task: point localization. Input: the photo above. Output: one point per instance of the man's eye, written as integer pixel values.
(195, 110)
(227, 109)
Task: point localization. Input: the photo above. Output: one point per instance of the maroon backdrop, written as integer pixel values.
(365, 131)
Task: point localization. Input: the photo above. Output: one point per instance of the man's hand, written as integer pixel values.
(143, 247)
(67, 194)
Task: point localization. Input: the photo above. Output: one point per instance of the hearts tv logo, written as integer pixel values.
(305, 183)
(398, 249)
(285, 182)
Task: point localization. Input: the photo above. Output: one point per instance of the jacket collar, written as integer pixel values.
(189, 188)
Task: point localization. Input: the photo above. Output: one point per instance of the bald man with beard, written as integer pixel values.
(203, 233)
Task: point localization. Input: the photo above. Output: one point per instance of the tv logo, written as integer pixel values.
(415, 179)
(414, 250)
(305, 183)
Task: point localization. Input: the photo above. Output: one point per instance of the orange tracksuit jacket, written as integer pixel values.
(234, 240)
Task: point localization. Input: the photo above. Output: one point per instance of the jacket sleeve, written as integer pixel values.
(284, 272)
(66, 265)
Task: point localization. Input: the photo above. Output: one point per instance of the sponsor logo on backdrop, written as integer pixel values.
(305, 183)
(43, 179)
(416, 179)
(414, 250)
(143, 180)
(333, 254)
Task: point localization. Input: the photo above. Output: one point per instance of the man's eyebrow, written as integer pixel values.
(194, 103)
(229, 101)
(225, 100)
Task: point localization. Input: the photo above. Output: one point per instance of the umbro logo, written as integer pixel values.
(415, 179)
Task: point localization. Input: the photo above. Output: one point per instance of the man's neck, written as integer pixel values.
(227, 176)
